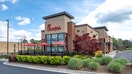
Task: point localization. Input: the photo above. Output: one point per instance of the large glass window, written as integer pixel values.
(48, 49)
(60, 49)
(54, 48)
(54, 37)
(61, 37)
(48, 37)
(51, 38)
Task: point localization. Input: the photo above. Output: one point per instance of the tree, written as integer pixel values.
(120, 42)
(35, 41)
(127, 43)
(85, 44)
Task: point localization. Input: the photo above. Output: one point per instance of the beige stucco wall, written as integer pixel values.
(82, 30)
(92, 32)
(57, 21)
(3, 47)
(101, 33)
(86, 29)
(42, 35)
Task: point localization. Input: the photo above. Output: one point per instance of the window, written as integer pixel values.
(61, 37)
(54, 48)
(54, 38)
(60, 49)
(48, 49)
(48, 37)
(78, 30)
(91, 31)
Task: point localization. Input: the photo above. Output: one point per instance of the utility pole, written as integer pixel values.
(7, 37)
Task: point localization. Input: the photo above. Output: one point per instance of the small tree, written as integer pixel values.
(85, 44)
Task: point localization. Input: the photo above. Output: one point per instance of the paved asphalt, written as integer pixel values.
(4, 69)
(124, 54)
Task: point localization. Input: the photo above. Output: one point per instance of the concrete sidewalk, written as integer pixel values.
(111, 54)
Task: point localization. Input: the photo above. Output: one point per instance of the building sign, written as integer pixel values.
(49, 28)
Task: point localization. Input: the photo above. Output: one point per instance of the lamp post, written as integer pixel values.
(7, 37)
(32, 40)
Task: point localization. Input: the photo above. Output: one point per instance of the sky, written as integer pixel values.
(25, 16)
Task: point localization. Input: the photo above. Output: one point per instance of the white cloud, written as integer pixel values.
(23, 20)
(3, 28)
(116, 15)
(4, 7)
(42, 27)
(13, 1)
(14, 35)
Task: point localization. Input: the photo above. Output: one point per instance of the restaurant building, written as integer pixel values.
(60, 28)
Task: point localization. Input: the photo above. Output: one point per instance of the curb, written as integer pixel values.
(49, 68)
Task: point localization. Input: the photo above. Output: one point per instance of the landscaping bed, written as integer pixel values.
(102, 69)
(103, 64)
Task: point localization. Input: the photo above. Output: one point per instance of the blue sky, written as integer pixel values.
(25, 16)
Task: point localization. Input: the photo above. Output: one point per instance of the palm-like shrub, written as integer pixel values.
(75, 63)
(29, 59)
(93, 65)
(66, 59)
(55, 60)
(18, 57)
(106, 60)
(36, 59)
(44, 59)
(86, 62)
(23, 58)
(115, 67)
(81, 56)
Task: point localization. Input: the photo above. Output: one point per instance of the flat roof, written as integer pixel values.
(101, 27)
(42, 30)
(58, 14)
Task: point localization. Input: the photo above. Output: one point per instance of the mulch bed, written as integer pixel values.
(102, 68)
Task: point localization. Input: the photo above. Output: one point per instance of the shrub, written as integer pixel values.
(29, 59)
(23, 58)
(98, 60)
(44, 59)
(75, 63)
(93, 65)
(115, 67)
(3, 56)
(55, 60)
(12, 58)
(106, 60)
(66, 59)
(81, 56)
(36, 59)
(18, 57)
(122, 61)
(131, 64)
(86, 62)
(98, 53)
